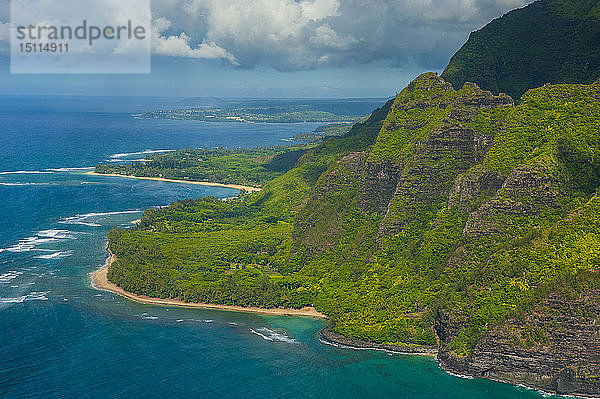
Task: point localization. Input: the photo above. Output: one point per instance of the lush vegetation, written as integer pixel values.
(269, 111)
(325, 132)
(305, 239)
(549, 41)
(252, 167)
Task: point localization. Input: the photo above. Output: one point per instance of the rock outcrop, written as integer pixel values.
(427, 169)
(556, 348)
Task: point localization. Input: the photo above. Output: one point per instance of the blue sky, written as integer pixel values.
(280, 48)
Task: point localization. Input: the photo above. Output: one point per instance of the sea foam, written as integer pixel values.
(129, 154)
(56, 255)
(59, 234)
(19, 299)
(26, 172)
(271, 335)
(89, 219)
(28, 244)
(16, 184)
(69, 169)
(10, 275)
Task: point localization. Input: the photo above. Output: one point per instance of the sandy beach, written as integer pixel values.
(100, 282)
(202, 183)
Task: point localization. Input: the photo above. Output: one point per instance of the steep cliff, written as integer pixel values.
(485, 226)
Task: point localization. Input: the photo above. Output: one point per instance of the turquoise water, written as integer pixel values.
(59, 338)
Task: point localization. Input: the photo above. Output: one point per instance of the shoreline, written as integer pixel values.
(202, 183)
(329, 337)
(99, 281)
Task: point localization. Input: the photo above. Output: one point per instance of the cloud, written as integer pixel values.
(307, 34)
(274, 33)
(289, 35)
(326, 37)
(179, 45)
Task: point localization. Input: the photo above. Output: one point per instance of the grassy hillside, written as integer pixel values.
(549, 41)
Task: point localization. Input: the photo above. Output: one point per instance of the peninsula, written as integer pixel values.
(100, 281)
(451, 221)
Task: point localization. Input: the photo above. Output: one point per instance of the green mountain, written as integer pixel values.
(449, 222)
(549, 41)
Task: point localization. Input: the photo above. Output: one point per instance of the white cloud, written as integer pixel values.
(261, 22)
(179, 45)
(325, 36)
(251, 30)
(305, 34)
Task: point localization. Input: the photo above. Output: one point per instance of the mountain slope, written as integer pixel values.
(549, 41)
(450, 221)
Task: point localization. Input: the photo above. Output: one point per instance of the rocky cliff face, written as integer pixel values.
(434, 157)
(526, 191)
(425, 171)
(378, 182)
(555, 348)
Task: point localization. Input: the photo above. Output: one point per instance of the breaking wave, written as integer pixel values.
(69, 169)
(271, 335)
(19, 299)
(26, 172)
(28, 244)
(33, 296)
(89, 219)
(10, 275)
(56, 255)
(129, 154)
(59, 234)
(26, 184)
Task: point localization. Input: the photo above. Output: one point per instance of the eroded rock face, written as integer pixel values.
(377, 185)
(449, 150)
(555, 348)
(342, 176)
(526, 191)
(470, 188)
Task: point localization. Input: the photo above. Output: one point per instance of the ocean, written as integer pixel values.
(60, 338)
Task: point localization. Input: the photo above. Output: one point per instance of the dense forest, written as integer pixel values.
(549, 41)
(250, 167)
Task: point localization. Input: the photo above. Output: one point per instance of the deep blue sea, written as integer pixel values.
(60, 338)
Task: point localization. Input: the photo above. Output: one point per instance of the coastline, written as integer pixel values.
(329, 337)
(202, 183)
(99, 281)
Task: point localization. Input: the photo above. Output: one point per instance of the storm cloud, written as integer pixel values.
(292, 35)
